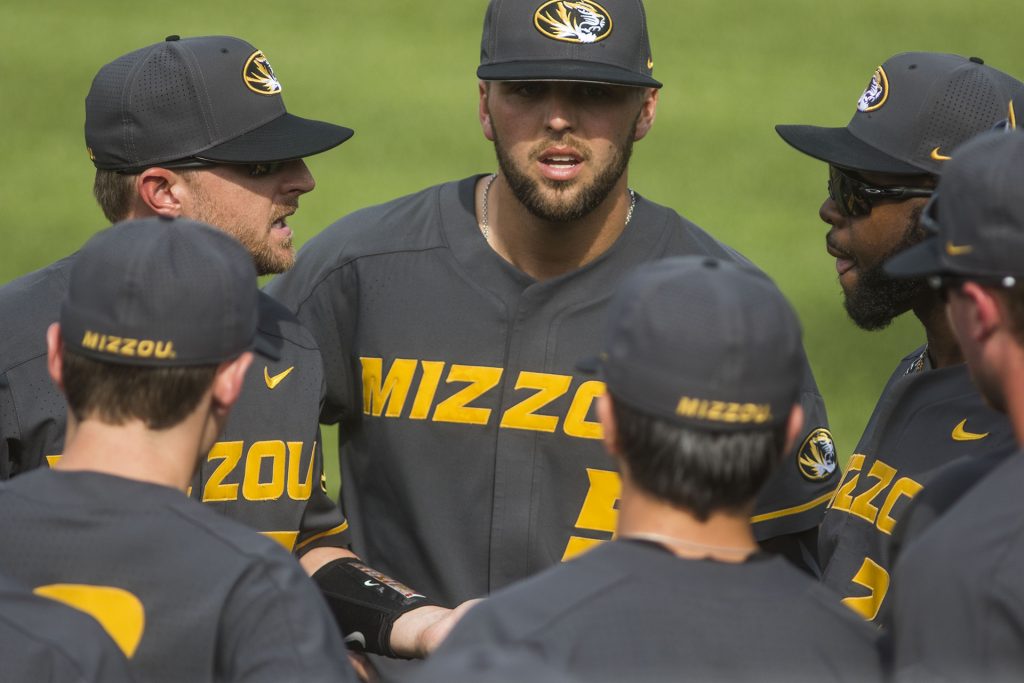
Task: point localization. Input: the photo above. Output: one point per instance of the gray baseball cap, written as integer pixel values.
(211, 97)
(562, 40)
(976, 215)
(704, 343)
(161, 292)
(918, 107)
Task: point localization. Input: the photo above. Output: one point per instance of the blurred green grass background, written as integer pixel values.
(402, 74)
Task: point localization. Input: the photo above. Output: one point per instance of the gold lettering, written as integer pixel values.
(523, 414)
(230, 453)
(687, 406)
(91, 339)
(432, 370)
(576, 423)
(843, 498)
(145, 349)
(300, 490)
(598, 512)
(252, 487)
(128, 347)
(165, 349)
(113, 344)
(455, 408)
(872, 576)
(904, 487)
(862, 506)
(386, 395)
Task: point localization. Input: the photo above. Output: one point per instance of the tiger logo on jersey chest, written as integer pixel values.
(816, 458)
(573, 22)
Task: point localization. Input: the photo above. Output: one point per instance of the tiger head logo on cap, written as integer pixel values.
(573, 22)
(876, 93)
(259, 75)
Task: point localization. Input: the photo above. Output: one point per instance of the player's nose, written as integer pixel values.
(829, 212)
(296, 178)
(559, 109)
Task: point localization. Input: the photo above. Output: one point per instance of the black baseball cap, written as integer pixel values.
(703, 343)
(918, 107)
(562, 40)
(161, 292)
(976, 215)
(213, 97)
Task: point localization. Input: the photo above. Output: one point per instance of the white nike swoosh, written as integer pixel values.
(356, 637)
(371, 584)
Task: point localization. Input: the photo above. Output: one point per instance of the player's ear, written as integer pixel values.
(794, 427)
(609, 427)
(160, 192)
(980, 311)
(55, 355)
(227, 383)
(485, 112)
(648, 110)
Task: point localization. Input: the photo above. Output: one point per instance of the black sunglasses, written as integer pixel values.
(855, 198)
(943, 283)
(254, 170)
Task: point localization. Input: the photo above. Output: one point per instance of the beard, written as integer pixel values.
(877, 299)
(566, 206)
(269, 257)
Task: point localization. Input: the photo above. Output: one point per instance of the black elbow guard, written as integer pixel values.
(365, 603)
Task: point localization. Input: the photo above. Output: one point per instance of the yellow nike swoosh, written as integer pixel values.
(650, 63)
(272, 382)
(939, 157)
(958, 249)
(961, 434)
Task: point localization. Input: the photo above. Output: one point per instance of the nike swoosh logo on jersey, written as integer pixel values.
(960, 433)
(937, 156)
(370, 584)
(272, 382)
(356, 637)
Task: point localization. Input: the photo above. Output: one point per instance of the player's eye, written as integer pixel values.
(265, 169)
(528, 89)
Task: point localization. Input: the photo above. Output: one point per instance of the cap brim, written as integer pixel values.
(282, 139)
(562, 70)
(840, 147)
(917, 261)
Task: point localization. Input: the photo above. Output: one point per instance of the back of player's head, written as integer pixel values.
(976, 219)
(563, 40)
(153, 306)
(704, 363)
(917, 109)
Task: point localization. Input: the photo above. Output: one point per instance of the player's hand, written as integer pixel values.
(418, 633)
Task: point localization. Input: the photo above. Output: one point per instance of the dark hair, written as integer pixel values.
(115, 393)
(114, 191)
(699, 470)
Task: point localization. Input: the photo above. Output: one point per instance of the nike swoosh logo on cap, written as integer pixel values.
(939, 156)
(272, 382)
(960, 433)
(958, 249)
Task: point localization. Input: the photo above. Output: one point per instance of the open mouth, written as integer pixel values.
(560, 163)
(844, 261)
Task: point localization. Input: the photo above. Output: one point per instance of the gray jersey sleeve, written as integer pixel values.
(277, 628)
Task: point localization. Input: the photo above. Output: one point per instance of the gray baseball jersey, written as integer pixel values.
(925, 419)
(470, 449)
(631, 610)
(44, 641)
(957, 599)
(266, 470)
(187, 594)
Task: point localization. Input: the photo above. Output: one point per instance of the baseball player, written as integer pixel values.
(684, 587)
(917, 108)
(976, 260)
(151, 350)
(450, 321)
(43, 641)
(197, 127)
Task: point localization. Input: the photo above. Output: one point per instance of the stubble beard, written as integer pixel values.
(878, 299)
(566, 206)
(268, 257)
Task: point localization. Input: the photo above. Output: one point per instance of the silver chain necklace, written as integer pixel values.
(485, 226)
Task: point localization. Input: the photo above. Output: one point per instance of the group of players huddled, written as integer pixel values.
(580, 439)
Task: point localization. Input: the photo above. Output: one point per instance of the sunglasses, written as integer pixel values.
(855, 198)
(943, 283)
(259, 170)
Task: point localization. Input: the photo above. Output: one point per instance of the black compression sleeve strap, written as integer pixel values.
(365, 603)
